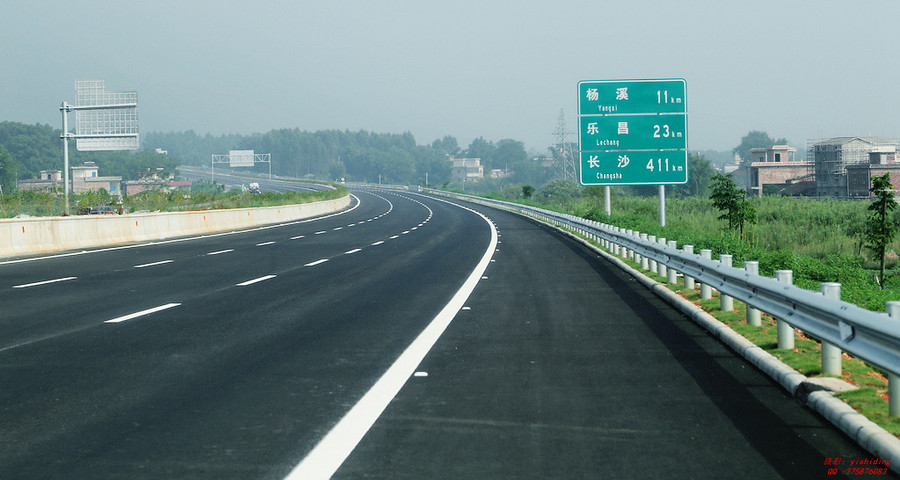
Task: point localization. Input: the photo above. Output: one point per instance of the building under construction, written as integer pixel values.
(830, 158)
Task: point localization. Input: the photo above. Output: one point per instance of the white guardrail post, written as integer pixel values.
(754, 316)
(688, 280)
(893, 309)
(660, 266)
(831, 355)
(672, 278)
(652, 262)
(785, 331)
(705, 289)
(645, 262)
(617, 249)
(638, 258)
(726, 303)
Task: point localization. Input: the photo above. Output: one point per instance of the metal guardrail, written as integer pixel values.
(873, 337)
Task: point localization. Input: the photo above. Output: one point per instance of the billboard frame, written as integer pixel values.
(129, 102)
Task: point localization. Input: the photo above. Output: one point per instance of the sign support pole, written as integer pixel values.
(607, 200)
(64, 108)
(662, 205)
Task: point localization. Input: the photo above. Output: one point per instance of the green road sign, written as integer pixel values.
(632, 132)
(642, 167)
(631, 96)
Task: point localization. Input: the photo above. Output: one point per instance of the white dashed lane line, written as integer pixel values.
(317, 262)
(162, 262)
(45, 282)
(255, 280)
(219, 252)
(142, 313)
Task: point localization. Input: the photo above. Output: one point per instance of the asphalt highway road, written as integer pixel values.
(234, 355)
(266, 184)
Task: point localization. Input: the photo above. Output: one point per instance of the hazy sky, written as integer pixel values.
(795, 69)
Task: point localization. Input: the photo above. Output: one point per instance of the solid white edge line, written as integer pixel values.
(255, 280)
(154, 264)
(45, 282)
(143, 312)
(326, 457)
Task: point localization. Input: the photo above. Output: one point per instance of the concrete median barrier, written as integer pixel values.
(37, 235)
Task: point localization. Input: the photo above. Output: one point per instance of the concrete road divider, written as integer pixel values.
(37, 235)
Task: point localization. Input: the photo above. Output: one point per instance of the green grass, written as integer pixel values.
(818, 239)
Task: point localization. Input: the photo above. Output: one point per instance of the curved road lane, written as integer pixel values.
(562, 366)
(228, 356)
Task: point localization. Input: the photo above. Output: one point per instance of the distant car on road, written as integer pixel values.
(103, 210)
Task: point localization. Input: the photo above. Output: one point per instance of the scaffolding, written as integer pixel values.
(828, 160)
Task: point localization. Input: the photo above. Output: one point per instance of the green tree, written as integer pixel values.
(559, 191)
(732, 201)
(755, 139)
(445, 146)
(700, 172)
(7, 171)
(527, 191)
(483, 149)
(880, 228)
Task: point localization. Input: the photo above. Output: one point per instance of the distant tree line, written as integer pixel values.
(356, 156)
(25, 150)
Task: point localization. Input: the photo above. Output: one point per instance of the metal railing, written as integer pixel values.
(873, 337)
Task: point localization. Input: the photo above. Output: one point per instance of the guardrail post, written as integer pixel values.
(688, 281)
(661, 268)
(705, 290)
(626, 252)
(634, 254)
(785, 331)
(726, 303)
(672, 278)
(893, 309)
(638, 258)
(615, 250)
(645, 262)
(652, 262)
(754, 317)
(831, 354)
